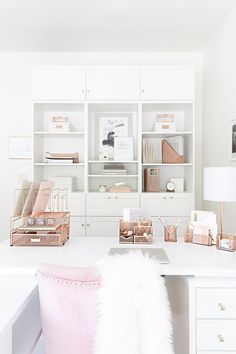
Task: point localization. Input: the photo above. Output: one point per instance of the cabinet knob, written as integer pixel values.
(82, 224)
(221, 338)
(88, 225)
(88, 91)
(109, 197)
(221, 306)
(82, 91)
(142, 91)
(116, 197)
(164, 197)
(171, 197)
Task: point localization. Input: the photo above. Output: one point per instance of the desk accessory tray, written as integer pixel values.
(46, 229)
(135, 231)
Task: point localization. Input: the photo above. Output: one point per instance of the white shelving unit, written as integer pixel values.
(92, 211)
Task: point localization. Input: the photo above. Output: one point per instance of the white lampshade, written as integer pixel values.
(220, 184)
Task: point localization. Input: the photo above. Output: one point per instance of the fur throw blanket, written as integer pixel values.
(134, 313)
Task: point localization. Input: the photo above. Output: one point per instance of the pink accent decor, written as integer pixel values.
(68, 308)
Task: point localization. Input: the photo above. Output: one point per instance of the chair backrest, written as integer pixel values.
(68, 308)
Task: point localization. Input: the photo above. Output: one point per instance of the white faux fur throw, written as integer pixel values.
(134, 313)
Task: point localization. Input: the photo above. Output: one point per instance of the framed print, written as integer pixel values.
(232, 140)
(123, 149)
(111, 127)
(19, 147)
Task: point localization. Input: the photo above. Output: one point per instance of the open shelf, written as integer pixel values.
(47, 133)
(164, 134)
(167, 164)
(111, 161)
(57, 164)
(113, 176)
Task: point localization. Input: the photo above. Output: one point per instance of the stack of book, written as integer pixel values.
(114, 170)
(120, 189)
(148, 153)
(61, 157)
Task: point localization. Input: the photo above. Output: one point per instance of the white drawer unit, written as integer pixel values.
(216, 335)
(212, 315)
(102, 226)
(216, 303)
(76, 204)
(59, 82)
(77, 226)
(168, 204)
(111, 204)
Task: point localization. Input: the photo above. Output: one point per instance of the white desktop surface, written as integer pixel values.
(185, 259)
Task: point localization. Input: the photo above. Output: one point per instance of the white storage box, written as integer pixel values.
(165, 126)
(59, 126)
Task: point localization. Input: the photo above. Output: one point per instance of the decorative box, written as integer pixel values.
(226, 242)
(46, 229)
(165, 127)
(59, 126)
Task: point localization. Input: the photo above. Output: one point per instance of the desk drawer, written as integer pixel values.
(216, 303)
(216, 335)
(110, 204)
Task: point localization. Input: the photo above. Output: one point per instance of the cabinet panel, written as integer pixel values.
(76, 204)
(216, 303)
(59, 82)
(167, 82)
(77, 226)
(216, 334)
(99, 226)
(168, 204)
(110, 204)
(113, 82)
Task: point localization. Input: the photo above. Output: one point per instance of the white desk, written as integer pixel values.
(185, 259)
(191, 267)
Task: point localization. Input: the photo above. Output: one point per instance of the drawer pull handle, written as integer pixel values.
(221, 306)
(221, 338)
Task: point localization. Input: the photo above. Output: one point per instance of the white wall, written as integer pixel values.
(16, 109)
(220, 104)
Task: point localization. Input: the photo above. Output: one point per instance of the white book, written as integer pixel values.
(123, 148)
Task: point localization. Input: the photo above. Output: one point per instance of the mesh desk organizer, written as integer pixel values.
(40, 216)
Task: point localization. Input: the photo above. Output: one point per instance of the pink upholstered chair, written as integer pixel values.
(68, 308)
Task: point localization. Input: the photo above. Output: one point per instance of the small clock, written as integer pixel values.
(170, 187)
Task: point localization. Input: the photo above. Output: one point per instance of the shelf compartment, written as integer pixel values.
(112, 161)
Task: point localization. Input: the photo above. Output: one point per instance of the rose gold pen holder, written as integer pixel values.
(226, 242)
(170, 233)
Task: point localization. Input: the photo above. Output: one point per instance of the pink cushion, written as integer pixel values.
(68, 308)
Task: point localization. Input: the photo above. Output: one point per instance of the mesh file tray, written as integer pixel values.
(40, 216)
(46, 229)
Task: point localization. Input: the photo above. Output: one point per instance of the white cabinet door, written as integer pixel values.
(167, 82)
(113, 82)
(168, 204)
(76, 204)
(59, 82)
(77, 226)
(110, 204)
(101, 227)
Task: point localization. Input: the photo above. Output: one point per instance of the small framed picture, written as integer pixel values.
(19, 147)
(232, 140)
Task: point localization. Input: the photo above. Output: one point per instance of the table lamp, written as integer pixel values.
(220, 186)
